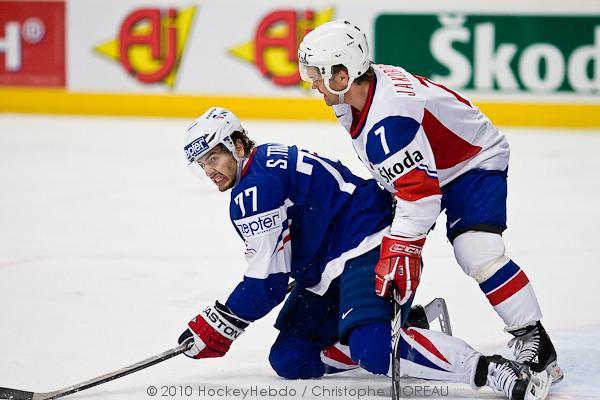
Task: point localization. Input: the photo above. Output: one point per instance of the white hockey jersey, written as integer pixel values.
(415, 136)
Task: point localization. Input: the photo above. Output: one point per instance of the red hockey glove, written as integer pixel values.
(399, 265)
(213, 330)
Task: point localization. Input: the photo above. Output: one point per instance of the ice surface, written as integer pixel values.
(108, 245)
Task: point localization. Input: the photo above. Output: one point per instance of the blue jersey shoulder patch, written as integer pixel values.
(389, 136)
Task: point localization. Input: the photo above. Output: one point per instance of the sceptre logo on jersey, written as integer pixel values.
(259, 224)
(194, 149)
(410, 161)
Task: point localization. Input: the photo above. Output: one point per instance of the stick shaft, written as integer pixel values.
(14, 394)
(396, 327)
(119, 373)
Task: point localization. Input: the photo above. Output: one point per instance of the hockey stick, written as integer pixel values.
(15, 394)
(396, 326)
(435, 309)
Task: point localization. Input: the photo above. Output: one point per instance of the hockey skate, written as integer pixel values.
(532, 346)
(421, 317)
(515, 380)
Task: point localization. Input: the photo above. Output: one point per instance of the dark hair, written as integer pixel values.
(246, 142)
(366, 77)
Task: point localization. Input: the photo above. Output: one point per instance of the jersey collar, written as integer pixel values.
(359, 119)
(247, 163)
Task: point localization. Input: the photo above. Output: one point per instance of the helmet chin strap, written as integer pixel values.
(240, 166)
(239, 161)
(340, 93)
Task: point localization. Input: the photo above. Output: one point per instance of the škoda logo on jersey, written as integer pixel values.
(399, 168)
(259, 224)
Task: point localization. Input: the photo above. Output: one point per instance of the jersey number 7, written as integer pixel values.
(239, 199)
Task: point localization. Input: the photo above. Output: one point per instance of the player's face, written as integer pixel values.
(329, 98)
(319, 84)
(220, 167)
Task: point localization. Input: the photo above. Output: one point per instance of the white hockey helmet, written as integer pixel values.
(213, 127)
(334, 43)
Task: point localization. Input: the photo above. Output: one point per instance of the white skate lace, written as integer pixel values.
(526, 346)
(502, 378)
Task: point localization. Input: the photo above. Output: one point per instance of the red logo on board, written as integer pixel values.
(32, 43)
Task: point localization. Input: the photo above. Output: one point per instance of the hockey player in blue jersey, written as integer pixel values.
(303, 217)
(307, 217)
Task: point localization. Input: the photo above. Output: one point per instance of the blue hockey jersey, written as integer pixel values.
(301, 216)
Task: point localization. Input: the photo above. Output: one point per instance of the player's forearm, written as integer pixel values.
(253, 298)
(413, 219)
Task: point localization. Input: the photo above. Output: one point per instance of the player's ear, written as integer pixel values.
(239, 148)
(342, 76)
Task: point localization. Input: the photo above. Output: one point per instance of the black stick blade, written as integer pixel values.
(14, 394)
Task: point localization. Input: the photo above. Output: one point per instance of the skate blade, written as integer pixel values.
(539, 386)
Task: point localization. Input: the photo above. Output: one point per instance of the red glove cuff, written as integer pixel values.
(214, 329)
(394, 246)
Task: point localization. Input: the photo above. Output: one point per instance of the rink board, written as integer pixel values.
(148, 58)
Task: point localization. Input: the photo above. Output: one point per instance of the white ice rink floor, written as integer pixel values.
(108, 246)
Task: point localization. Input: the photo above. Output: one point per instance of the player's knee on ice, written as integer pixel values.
(370, 347)
(294, 358)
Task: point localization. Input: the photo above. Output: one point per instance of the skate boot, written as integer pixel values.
(532, 346)
(417, 318)
(515, 380)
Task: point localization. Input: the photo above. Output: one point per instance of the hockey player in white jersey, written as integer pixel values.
(306, 217)
(434, 150)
